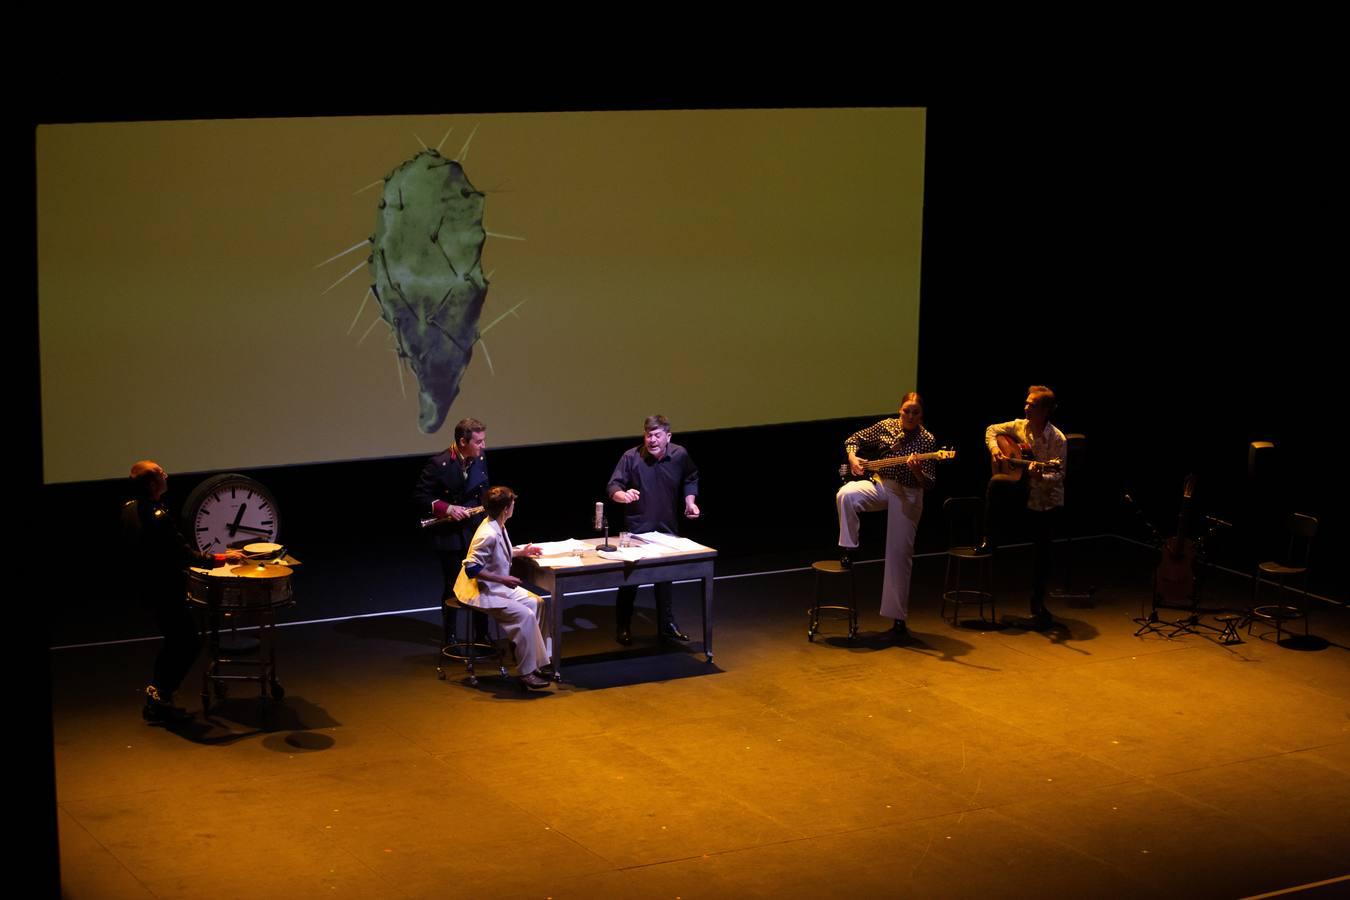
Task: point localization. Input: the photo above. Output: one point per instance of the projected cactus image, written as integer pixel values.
(426, 275)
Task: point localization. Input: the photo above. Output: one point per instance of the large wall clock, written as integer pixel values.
(228, 511)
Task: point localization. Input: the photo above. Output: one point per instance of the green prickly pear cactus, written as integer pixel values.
(425, 265)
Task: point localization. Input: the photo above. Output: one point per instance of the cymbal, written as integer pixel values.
(249, 570)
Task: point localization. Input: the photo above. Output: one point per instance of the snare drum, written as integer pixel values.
(228, 590)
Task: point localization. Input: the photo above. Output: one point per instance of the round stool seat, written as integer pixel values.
(827, 571)
(465, 649)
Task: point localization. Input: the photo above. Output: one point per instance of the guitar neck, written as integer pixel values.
(871, 465)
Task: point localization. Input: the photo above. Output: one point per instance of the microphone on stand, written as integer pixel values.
(600, 523)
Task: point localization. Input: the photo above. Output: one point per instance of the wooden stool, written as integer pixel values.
(828, 570)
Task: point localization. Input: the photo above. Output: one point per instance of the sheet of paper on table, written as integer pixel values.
(670, 542)
(569, 547)
(557, 562)
(633, 554)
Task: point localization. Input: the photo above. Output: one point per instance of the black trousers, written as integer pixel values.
(182, 642)
(623, 605)
(1042, 526)
(1005, 509)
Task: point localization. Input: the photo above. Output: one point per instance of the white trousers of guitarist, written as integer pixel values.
(903, 507)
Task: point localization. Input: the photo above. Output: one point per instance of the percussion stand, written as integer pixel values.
(1192, 624)
(1151, 623)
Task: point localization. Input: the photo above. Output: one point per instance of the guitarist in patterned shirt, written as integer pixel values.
(898, 489)
(1035, 446)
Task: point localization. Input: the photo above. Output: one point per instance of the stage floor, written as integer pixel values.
(969, 762)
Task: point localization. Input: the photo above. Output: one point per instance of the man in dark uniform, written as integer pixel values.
(451, 488)
(160, 557)
(656, 482)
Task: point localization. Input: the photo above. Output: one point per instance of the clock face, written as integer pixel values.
(228, 512)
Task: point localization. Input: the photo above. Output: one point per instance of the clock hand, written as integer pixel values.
(252, 530)
(238, 517)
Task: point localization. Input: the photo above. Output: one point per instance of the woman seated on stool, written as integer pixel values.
(486, 583)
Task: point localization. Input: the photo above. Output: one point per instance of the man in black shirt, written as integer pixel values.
(656, 482)
(159, 557)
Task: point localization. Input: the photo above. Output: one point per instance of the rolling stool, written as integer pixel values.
(827, 570)
(465, 650)
(961, 514)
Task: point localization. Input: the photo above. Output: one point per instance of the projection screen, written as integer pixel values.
(242, 293)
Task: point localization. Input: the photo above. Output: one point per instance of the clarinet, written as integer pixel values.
(437, 520)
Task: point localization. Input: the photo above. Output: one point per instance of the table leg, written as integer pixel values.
(555, 602)
(707, 616)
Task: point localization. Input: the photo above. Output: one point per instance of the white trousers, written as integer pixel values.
(519, 616)
(903, 507)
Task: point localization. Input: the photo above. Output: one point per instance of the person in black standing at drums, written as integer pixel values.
(657, 483)
(450, 489)
(160, 557)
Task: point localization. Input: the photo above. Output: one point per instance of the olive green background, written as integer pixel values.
(727, 268)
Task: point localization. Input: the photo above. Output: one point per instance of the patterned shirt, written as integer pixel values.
(886, 439)
(1047, 485)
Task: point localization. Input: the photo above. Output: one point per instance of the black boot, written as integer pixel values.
(668, 630)
(671, 632)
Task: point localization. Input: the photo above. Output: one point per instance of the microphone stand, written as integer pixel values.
(606, 546)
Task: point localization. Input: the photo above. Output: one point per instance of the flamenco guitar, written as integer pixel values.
(872, 466)
(1016, 458)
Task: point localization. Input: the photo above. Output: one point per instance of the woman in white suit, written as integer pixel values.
(486, 582)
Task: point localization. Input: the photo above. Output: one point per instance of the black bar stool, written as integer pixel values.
(962, 515)
(1290, 606)
(465, 649)
(829, 575)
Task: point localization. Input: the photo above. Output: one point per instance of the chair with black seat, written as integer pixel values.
(831, 574)
(1300, 530)
(468, 649)
(962, 518)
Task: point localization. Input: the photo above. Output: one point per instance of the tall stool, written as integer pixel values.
(962, 516)
(830, 574)
(1301, 530)
(465, 649)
